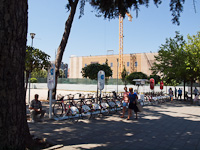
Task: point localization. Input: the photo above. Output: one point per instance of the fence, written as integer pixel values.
(80, 81)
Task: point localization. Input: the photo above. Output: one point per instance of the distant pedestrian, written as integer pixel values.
(125, 103)
(175, 93)
(180, 93)
(132, 103)
(195, 92)
(171, 94)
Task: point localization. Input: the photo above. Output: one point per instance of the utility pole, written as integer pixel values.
(32, 37)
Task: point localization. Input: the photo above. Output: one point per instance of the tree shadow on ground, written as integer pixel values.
(156, 128)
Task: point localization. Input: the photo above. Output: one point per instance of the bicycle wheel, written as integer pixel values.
(86, 112)
(104, 108)
(58, 109)
(73, 114)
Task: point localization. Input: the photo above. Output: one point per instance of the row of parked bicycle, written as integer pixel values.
(76, 106)
(85, 106)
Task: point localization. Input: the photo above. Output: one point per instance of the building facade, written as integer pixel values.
(138, 62)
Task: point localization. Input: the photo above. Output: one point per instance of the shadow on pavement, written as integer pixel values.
(167, 126)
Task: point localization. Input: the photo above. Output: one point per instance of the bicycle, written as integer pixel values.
(84, 109)
(66, 111)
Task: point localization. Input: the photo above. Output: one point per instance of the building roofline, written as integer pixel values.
(112, 54)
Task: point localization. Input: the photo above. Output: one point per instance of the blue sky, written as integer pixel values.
(91, 35)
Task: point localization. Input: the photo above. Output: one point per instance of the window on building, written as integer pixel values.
(85, 65)
(136, 64)
(111, 64)
(127, 64)
(94, 62)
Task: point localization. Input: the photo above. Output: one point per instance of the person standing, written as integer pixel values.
(125, 103)
(132, 103)
(175, 93)
(180, 93)
(36, 108)
(195, 91)
(171, 94)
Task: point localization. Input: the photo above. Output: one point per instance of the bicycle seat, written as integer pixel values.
(61, 99)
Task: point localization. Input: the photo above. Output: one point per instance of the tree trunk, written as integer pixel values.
(184, 88)
(63, 42)
(191, 101)
(14, 129)
(27, 77)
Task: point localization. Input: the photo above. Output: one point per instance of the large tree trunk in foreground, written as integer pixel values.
(64, 41)
(14, 129)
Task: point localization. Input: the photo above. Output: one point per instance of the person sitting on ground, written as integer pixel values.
(36, 109)
(125, 103)
(132, 103)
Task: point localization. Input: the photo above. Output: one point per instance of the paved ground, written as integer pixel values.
(170, 126)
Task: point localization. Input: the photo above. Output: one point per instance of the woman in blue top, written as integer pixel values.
(132, 103)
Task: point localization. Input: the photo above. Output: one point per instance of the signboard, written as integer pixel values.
(101, 79)
(152, 82)
(140, 81)
(161, 85)
(51, 77)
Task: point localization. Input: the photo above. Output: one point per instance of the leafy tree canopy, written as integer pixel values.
(135, 75)
(92, 70)
(36, 58)
(124, 74)
(193, 56)
(178, 61)
(112, 8)
(39, 73)
(170, 62)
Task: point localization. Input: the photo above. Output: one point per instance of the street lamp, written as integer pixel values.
(117, 73)
(32, 37)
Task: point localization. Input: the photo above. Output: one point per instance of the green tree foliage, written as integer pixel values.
(136, 75)
(111, 9)
(39, 73)
(193, 58)
(178, 61)
(61, 73)
(124, 74)
(33, 80)
(92, 70)
(170, 62)
(35, 59)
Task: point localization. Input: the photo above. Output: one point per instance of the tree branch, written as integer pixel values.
(194, 6)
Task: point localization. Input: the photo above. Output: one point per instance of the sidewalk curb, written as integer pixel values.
(54, 147)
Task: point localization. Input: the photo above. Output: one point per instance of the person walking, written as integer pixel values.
(132, 104)
(125, 103)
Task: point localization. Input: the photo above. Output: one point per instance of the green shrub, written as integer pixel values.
(33, 80)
